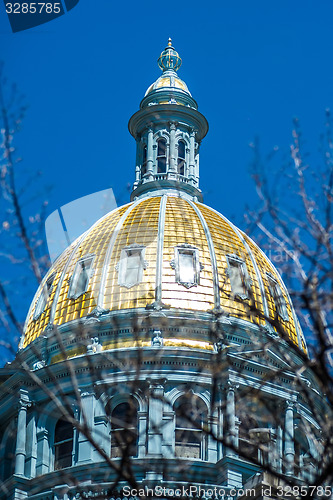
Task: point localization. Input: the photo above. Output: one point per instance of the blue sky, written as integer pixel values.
(251, 66)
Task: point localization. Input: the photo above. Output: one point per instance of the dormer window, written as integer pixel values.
(161, 156)
(181, 161)
(239, 279)
(45, 293)
(81, 276)
(186, 265)
(144, 161)
(131, 265)
(278, 298)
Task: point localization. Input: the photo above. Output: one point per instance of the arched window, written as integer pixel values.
(8, 454)
(124, 430)
(144, 161)
(161, 156)
(63, 444)
(191, 414)
(181, 161)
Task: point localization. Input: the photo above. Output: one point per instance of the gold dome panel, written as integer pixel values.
(163, 228)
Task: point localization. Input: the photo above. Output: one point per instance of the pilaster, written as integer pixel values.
(172, 152)
(150, 158)
(230, 434)
(85, 447)
(155, 418)
(289, 446)
(20, 451)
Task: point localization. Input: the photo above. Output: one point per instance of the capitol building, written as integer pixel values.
(162, 349)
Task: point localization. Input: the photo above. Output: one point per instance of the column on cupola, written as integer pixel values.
(21, 437)
(192, 158)
(289, 445)
(196, 162)
(85, 448)
(172, 151)
(155, 418)
(150, 154)
(138, 161)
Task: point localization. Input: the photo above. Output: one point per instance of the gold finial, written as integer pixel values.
(169, 59)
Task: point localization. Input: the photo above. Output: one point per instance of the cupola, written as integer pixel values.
(168, 130)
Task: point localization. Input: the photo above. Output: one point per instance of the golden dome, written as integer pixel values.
(169, 62)
(158, 230)
(168, 82)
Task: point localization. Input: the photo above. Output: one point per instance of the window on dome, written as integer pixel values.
(187, 266)
(81, 276)
(191, 415)
(278, 298)
(45, 293)
(63, 444)
(238, 276)
(181, 161)
(131, 266)
(124, 429)
(161, 156)
(144, 161)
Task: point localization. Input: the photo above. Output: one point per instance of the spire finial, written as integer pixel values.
(169, 59)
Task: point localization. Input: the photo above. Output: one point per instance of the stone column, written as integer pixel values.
(279, 448)
(138, 161)
(212, 444)
(101, 430)
(168, 430)
(289, 446)
(191, 159)
(85, 448)
(230, 418)
(31, 447)
(172, 151)
(155, 417)
(150, 159)
(221, 424)
(42, 464)
(21, 437)
(75, 451)
(142, 426)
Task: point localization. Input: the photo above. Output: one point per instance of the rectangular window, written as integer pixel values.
(238, 276)
(188, 443)
(131, 266)
(42, 300)
(187, 266)
(278, 298)
(81, 277)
